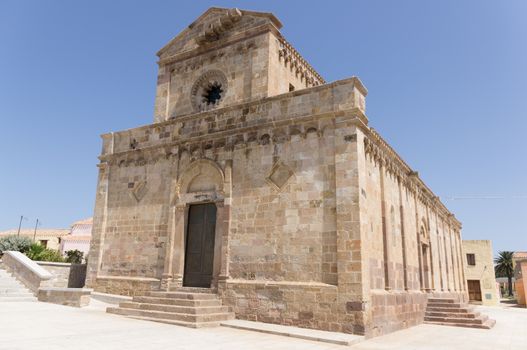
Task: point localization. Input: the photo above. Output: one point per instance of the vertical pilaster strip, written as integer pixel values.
(462, 259)
(169, 250)
(100, 217)
(178, 261)
(439, 252)
(169, 82)
(226, 221)
(447, 268)
(348, 224)
(419, 247)
(403, 235)
(457, 262)
(453, 249)
(385, 245)
(430, 251)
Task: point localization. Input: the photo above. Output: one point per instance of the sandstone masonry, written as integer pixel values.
(317, 223)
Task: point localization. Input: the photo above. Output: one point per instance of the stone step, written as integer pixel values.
(171, 315)
(452, 314)
(441, 300)
(488, 324)
(463, 320)
(446, 305)
(192, 290)
(204, 310)
(175, 301)
(183, 295)
(464, 309)
(178, 323)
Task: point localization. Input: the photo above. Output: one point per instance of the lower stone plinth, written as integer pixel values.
(122, 285)
(77, 297)
(395, 310)
(302, 304)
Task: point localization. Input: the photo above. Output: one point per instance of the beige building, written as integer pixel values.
(48, 237)
(479, 272)
(265, 183)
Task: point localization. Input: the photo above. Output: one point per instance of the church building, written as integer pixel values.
(262, 189)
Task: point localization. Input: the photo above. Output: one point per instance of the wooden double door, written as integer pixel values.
(199, 252)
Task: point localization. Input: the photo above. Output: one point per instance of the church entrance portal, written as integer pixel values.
(199, 252)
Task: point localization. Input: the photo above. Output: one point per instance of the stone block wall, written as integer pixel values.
(272, 137)
(60, 274)
(77, 297)
(308, 305)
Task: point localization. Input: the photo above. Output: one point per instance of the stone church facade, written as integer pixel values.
(265, 183)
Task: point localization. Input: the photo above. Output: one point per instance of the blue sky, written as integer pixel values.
(447, 85)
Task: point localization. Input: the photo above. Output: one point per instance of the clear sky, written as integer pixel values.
(447, 85)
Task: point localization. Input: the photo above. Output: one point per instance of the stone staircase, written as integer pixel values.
(189, 307)
(12, 290)
(449, 312)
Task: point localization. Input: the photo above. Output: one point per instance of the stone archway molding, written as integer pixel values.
(200, 176)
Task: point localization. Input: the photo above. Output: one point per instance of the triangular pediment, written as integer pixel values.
(216, 24)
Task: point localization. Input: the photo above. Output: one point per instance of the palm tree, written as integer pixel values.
(503, 267)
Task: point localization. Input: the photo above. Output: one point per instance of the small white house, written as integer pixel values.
(79, 238)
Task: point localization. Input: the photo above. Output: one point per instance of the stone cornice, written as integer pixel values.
(355, 81)
(384, 154)
(228, 12)
(164, 149)
(219, 44)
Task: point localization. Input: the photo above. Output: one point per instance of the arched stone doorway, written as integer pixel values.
(198, 226)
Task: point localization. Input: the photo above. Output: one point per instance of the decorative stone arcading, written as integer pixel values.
(382, 153)
(198, 149)
(290, 57)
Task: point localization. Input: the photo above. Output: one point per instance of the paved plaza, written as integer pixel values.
(35, 325)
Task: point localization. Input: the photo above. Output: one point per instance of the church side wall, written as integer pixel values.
(400, 276)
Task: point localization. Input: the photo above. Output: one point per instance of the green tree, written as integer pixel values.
(74, 256)
(14, 243)
(504, 267)
(38, 252)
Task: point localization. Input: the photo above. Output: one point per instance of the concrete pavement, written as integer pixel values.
(49, 326)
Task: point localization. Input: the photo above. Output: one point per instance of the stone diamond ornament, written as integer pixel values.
(280, 175)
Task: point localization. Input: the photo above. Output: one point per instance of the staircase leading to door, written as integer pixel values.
(189, 307)
(449, 312)
(12, 290)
